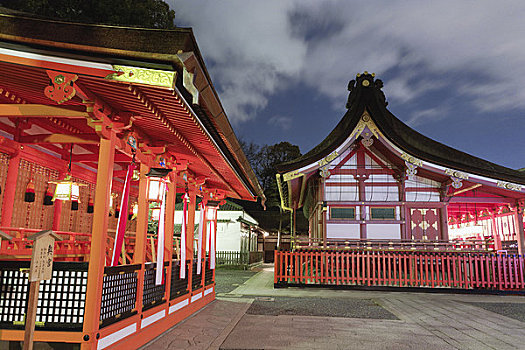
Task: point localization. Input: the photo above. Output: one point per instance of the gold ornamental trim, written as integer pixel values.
(145, 76)
(292, 175)
(411, 159)
(328, 158)
(365, 121)
(510, 186)
(456, 174)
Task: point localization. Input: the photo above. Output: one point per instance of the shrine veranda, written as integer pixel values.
(126, 120)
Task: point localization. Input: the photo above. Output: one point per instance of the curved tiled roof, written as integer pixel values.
(372, 99)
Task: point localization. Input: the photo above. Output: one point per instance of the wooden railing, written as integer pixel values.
(400, 269)
(238, 258)
(485, 245)
(73, 246)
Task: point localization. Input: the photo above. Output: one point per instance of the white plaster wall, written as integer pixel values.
(229, 236)
(228, 233)
(383, 231)
(338, 193)
(382, 193)
(422, 196)
(344, 231)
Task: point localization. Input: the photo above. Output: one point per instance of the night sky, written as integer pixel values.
(453, 70)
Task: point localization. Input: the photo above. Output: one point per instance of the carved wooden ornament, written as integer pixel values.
(61, 88)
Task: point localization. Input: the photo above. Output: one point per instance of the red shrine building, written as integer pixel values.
(102, 130)
(384, 203)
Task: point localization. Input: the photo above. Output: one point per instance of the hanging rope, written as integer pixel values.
(122, 220)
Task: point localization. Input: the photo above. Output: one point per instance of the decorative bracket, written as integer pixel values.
(456, 182)
(61, 88)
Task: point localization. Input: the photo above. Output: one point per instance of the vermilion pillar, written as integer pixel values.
(106, 158)
(190, 229)
(139, 254)
(168, 231)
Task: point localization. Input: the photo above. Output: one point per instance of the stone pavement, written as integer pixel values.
(425, 320)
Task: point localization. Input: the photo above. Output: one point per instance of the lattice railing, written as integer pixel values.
(153, 294)
(119, 293)
(61, 299)
(178, 286)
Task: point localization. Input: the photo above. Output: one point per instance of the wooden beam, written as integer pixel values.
(61, 138)
(466, 189)
(487, 200)
(88, 158)
(38, 111)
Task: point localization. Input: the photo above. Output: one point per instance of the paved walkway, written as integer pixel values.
(425, 320)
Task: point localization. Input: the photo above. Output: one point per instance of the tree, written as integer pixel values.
(264, 160)
(140, 13)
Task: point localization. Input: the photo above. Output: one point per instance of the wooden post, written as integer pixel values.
(520, 236)
(402, 209)
(139, 255)
(361, 177)
(443, 214)
(10, 188)
(168, 231)
(97, 259)
(495, 233)
(142, 217)
(32, 303)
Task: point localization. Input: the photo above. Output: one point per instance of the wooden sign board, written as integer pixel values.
(42, 258)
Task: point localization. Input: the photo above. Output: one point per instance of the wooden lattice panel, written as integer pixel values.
(4, 165)
(424, 224)
(33, 215)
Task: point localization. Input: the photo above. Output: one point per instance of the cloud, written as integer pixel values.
(421, 116)
(256, 49)
(250, 47)
(280, 121)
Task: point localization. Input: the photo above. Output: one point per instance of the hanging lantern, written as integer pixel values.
(29, 196)
(156, 189)
(48, 196)
(67, 189)
(90, 206)
(155, 214)
(156, 183)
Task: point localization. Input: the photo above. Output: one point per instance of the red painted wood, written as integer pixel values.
(397, 268)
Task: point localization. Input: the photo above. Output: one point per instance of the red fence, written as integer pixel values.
(401, 269)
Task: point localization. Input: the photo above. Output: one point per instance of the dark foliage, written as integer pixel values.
(263, 160)
(139, 13)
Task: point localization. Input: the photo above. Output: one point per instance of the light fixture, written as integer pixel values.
(156, 183)
(155, 214)
(67, 189)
